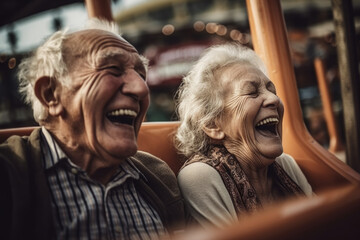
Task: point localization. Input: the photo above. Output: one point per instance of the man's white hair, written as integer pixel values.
(48, 61)
(200, 98)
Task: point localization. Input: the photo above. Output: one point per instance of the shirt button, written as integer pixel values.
(74, 170)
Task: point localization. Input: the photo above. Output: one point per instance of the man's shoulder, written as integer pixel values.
(15, 141)
(17, 151)
(158, 174)
(161, 188)
(148, 163)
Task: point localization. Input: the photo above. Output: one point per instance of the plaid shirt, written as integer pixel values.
(86, 209)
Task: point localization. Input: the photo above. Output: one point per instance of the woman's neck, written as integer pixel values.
(262, 181)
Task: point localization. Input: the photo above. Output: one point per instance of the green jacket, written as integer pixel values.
(25, 199)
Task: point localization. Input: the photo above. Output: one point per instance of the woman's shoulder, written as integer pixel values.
(200, 179)
(290, 166)
(287, 161)
(199, 172)
(206, 195)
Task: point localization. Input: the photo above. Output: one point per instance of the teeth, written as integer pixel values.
(266, 121)
(122, 112)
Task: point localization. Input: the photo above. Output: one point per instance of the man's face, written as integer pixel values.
(252, 115)
(108, 97)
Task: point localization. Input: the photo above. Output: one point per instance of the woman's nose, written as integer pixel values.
(135, 85)
(271, 99)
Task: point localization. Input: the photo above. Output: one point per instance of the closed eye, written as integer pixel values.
(271, 87)
(252, 91)
(115, 70)
(140, 69)
(250, 88)
(142, 75)
(253, 94)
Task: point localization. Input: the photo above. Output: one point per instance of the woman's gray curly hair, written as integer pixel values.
(48, 61)
(200, 96)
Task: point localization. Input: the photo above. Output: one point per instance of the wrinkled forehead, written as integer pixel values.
(85, 43)
(95, 38)
(238, 70)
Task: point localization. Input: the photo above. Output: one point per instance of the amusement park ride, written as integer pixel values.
(334, 213)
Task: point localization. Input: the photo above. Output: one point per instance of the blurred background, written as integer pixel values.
(173, 34)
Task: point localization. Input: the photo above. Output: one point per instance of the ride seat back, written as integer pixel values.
(154, 137)
(157, 139)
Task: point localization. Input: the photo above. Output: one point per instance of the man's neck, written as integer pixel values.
(97, 168)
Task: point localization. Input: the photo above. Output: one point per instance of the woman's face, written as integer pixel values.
(252, 117)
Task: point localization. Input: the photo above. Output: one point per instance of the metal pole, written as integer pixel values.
(349, 75)
(336, 144)
(99, 9)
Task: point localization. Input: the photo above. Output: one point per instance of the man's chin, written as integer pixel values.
(122, 152)
(119, 151)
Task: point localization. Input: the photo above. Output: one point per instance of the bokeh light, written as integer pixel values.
(168, 29)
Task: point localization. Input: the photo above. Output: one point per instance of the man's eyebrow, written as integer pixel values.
(112, 55)
(139, 64)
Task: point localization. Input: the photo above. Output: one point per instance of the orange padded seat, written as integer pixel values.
(157, 139)
(154, 137)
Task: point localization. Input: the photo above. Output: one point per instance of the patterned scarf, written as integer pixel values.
(242, 193)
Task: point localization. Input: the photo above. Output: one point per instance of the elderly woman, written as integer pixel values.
(230, 131)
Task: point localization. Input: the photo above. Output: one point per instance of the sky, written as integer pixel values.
(33, 30)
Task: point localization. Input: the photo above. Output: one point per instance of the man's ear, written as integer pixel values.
(45, 91)
(214, 132)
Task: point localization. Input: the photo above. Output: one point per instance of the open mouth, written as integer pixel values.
(268, 126)
(122, 116)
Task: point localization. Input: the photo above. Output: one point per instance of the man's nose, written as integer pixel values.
(135, 85)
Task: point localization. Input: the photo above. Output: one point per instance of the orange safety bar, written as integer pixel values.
(270, 42)
(331, 123)
(333, 214)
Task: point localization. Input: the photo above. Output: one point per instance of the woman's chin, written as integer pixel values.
(272, 153)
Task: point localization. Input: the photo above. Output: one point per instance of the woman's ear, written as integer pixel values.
(214, 132)
(45, 91)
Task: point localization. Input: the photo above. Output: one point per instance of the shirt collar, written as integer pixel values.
(53, 154)
(127, 168)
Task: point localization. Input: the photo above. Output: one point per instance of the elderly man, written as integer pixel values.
(80, 175)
